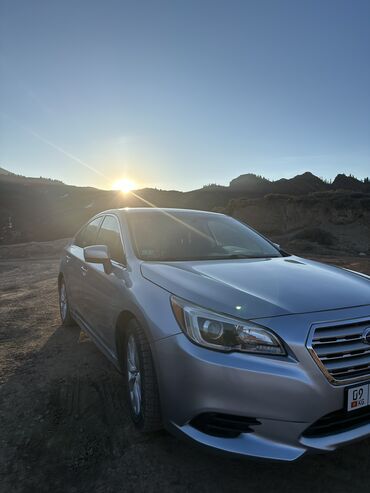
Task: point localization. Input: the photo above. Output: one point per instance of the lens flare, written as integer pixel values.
(124, 185)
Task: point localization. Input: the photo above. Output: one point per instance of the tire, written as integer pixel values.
(65, 314)
(137, 365)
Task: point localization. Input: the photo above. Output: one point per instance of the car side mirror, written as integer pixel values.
(277, 245)
(98, 254)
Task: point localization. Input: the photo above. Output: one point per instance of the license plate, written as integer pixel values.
(358, 397)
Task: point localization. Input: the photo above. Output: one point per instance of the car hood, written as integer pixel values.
(254, 288)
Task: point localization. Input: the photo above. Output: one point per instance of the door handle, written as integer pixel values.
(84, 270)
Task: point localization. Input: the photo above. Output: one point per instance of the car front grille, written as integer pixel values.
(341, 352)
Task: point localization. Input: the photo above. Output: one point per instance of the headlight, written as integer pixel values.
(216, 331)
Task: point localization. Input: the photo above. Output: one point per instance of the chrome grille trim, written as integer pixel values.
(339, 351)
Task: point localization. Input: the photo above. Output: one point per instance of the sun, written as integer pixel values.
(124, 185)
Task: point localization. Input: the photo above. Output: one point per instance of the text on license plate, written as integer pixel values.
(358, 397)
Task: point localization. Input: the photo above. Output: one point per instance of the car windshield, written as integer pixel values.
(162, 235)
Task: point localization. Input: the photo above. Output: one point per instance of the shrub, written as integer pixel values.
(316, 235)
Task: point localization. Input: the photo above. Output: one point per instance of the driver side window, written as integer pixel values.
(110, 236)
(87, 236)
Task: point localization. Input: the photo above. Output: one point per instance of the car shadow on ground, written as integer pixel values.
(67, 428)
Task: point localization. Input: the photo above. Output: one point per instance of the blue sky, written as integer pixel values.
(176, 94)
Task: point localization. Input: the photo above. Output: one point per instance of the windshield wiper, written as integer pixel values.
(233, 256)
(215, 257)
(241, 256)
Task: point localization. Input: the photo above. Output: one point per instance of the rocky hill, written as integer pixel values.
(298, 185)
(304, 211)
(331, 221)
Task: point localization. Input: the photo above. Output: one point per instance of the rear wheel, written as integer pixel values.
(141, 389)
(65, 313)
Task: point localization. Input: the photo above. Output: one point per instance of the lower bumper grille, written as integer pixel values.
(223, 425)
(341, 351)
(338, 422)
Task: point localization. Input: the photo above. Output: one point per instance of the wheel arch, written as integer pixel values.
(60, 277)
(122, 322)
(123, 319)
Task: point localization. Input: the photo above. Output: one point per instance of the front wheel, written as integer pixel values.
(142, 390)
(65, 313)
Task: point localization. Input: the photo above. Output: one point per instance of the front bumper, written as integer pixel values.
(285, 395)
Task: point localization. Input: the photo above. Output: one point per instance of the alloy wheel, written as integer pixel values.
(134, 375)
(63, 302)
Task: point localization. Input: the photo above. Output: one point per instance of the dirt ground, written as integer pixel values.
(64, 426)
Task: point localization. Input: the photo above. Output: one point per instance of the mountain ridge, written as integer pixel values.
(252, 183)
(306, 182)
(4, 171)
(40, 209)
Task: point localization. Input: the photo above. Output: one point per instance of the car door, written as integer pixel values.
(105, 292)
(76, 268)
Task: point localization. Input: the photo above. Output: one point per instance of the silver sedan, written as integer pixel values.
(221, 336)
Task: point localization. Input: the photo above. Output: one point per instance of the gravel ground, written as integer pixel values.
(65, 428)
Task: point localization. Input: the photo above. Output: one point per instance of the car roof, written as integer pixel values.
(150, 210)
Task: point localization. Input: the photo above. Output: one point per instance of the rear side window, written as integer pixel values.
(109, 235)
(87, 236)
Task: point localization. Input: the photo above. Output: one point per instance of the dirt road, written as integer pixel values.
(64, 426)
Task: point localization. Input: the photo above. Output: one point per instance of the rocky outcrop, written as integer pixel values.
(345, 216)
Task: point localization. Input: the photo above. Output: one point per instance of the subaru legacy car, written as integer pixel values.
(220, 335)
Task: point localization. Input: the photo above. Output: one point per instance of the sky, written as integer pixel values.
(177, 94)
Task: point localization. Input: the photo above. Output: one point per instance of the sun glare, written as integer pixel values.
(124, 185)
